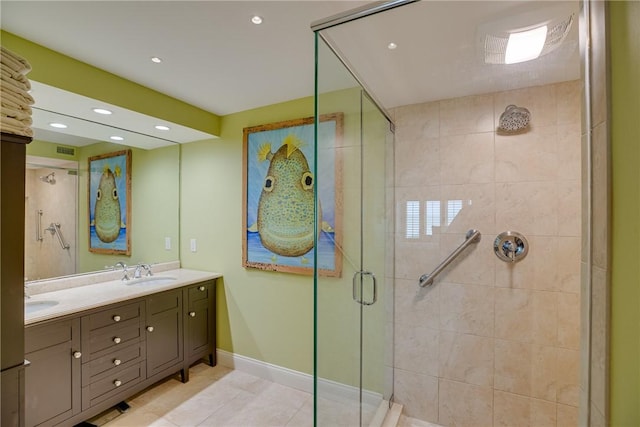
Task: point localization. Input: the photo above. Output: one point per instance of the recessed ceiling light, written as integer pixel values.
(102, 111)
(156, 59)
(256, 20)
(117, 138)
(58, 125)
(161, 127)
(525, 45)
(392, 46)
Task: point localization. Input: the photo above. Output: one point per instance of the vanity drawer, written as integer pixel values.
(112, 383)
(47, 335)
(115, 360)
(99, 342)
(199, 292)
(113, 316)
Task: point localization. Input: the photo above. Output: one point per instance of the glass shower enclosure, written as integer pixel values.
(353, 375)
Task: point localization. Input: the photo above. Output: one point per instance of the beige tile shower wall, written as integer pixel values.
(58, 203)
(489, 343)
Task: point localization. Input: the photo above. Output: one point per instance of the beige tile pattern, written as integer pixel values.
(508, 335)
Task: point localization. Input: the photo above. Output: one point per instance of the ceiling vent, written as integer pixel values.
(67, 151)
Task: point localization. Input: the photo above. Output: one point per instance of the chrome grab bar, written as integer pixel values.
(39, 237)
(54, 228)
(472, 236)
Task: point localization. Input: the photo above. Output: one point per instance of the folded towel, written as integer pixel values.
(16, 122)
(17, 78)
(11, 84)
(15, 113)
(13, 126)
(14, 61)
(4, 102)
(18, 97)
(15, 75)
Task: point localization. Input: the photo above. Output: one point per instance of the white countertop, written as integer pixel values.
(80, 298)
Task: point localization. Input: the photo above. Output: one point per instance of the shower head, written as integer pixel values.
(49, 179)
(514, 120)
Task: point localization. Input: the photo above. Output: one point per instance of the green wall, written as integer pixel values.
(64, 72)
(624, 29)
(263, 315)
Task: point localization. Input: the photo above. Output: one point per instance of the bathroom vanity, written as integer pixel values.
(92, 347)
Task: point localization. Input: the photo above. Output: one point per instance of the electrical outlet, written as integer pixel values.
(167, 243)
(194, 248)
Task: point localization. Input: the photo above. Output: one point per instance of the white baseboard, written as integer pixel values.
(295, 379)
(277, 374)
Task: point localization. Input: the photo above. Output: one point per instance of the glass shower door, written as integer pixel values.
(353, 306)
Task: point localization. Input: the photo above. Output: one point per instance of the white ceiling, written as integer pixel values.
(215, 59)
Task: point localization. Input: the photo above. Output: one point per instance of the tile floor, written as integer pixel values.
(217, 396)
(223, 397)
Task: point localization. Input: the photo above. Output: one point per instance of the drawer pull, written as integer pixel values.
(149, 328)
(117, 362)
(117, 383)
(117, 340)
(117, 318)
(77, 354)
(201, 288)
(192, 313)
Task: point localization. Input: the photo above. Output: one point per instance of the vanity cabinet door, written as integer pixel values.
(164, 332)
(52, 381)
(199, 323)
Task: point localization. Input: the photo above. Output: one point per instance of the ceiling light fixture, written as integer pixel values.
(58, 125)
(116, 138)
(156, 59)
(525, 45)
(162, 127)
(102, 111)
(256, 20)
(392, 46)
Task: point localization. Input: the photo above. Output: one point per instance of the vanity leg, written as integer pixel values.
(211, 359)
(184, 375)
(122, 407)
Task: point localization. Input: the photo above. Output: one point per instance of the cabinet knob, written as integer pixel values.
(192, 313)
(77, 354)
(201, 288)
(117, 340)
(117, 383)
(116, 318)
(149, 328)
(117, 362)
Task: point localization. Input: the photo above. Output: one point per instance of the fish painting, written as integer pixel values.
(107, 216)
(285, 217)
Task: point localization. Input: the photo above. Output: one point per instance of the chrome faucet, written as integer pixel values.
(138, 272)
(124, 268)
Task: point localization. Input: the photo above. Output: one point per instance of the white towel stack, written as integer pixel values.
(15, 112)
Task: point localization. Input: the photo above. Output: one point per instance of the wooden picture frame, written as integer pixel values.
(278, 198)
(109, 193)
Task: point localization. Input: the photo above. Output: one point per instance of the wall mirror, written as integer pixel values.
(57, 226)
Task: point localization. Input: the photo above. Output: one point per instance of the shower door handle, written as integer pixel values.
(363, 275)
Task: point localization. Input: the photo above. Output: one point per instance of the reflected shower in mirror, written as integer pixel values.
(51, 197)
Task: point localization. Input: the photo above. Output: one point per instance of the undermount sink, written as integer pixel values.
(33, 306)
(151, 280)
